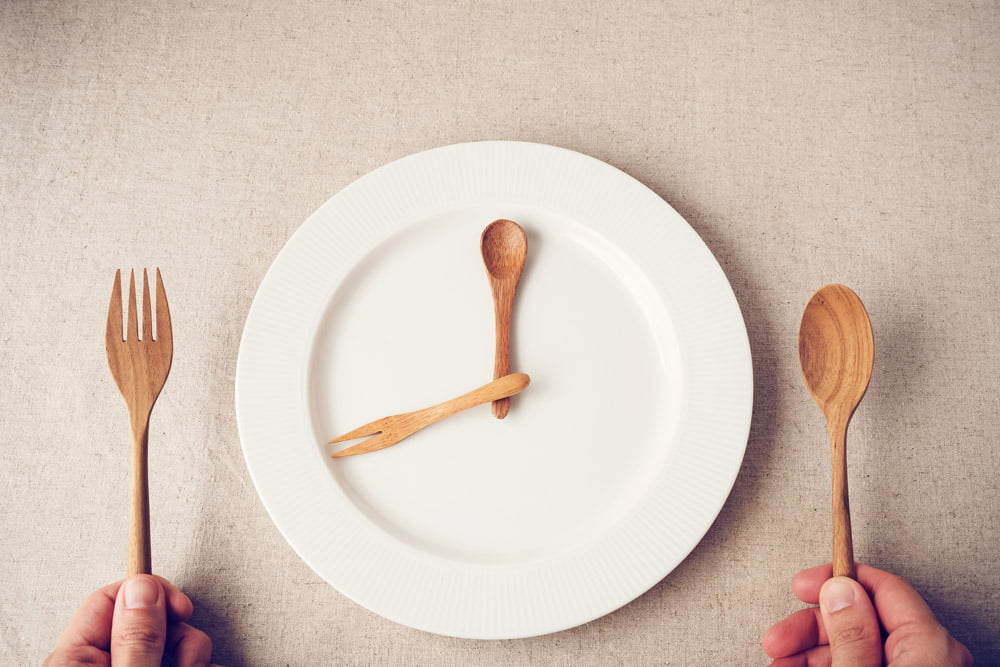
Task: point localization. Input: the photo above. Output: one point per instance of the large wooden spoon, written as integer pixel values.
(837, 351)
(504, 247)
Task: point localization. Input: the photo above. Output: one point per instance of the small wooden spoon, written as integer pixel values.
(837, 352)
(504, 247)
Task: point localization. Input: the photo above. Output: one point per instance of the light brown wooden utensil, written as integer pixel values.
(837, 352)
(504, 247)
(388, 431)
(140, 367)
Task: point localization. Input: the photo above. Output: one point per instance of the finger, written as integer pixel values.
(806, 584)
(818, 656)
(71, 656)
(139, 628)
(925, 645)
(90, 625)
(897, 602)
(904, 614)
(189, 646)
(179, 605)
(88, 632)
(852, 627)
(92, 621)
(799, 632)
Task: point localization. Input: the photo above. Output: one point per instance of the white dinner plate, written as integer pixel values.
(612, 464)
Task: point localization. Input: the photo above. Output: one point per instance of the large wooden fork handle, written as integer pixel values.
(139, 551)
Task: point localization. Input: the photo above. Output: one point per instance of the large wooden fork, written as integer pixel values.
(140, 366)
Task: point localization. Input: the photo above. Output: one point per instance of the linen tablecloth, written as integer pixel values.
(806, 143)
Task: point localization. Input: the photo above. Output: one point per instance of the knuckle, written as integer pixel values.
(958, 654)
(850, 634)
(189, 646)
(77, 656)
(141, 636)
(200, 639)
(964, 656)
(941, 635)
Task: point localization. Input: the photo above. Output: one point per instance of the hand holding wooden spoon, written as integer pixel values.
(837, 352)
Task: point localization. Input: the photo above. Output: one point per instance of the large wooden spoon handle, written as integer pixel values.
(843, 545)
(139, 558)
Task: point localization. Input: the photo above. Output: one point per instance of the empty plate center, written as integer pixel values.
(412, 325)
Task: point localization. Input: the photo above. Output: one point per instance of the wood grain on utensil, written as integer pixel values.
(837, 353)
(504, 247)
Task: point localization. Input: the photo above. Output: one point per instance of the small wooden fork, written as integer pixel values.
(388, 431)
(140, 366)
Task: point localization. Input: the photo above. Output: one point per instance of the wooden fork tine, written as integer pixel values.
(371, 428)
(164, 333)
(147, 308)
(114, 329)
(372, 444)
(132, 329)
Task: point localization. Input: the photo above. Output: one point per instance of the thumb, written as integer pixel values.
(139, 625)
(851, 624)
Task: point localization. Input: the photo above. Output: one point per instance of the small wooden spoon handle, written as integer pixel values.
(843, 544)
(503, 291)
(139, 553)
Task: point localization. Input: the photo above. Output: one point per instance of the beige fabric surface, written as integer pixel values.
(806, 142)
